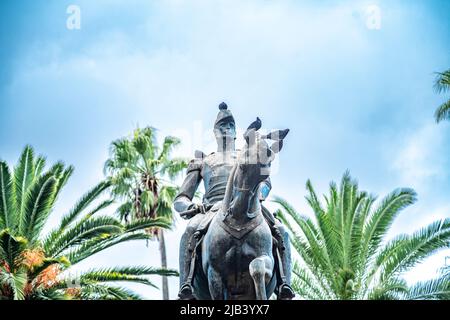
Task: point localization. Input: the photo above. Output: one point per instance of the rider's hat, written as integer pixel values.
(224, 114)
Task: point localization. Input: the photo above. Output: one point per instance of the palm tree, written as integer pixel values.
(34, 265)
(343, 251)
(442, 84)
(141, 173)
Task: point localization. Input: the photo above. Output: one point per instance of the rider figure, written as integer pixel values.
(214, 170)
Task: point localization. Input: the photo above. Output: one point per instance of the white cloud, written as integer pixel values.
(421, 157)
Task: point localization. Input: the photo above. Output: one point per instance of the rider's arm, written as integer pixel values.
(183, 200)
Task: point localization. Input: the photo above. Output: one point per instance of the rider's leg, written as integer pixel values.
(204, 224)
(274, 226)
(283, 256)
(284, 290)
(187, 246)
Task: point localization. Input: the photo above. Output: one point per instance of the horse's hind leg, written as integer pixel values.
(261, 273)
(216, 286)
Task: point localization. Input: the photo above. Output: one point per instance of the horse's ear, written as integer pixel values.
(277, 135)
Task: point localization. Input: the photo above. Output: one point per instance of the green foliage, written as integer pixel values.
(137, 170)
(33, 265)
(141, 174)
(442, 84)
(343, 251)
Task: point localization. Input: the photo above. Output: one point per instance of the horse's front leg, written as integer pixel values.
(261, 272)
(216, 285)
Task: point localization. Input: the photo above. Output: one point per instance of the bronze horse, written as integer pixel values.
(236, 256)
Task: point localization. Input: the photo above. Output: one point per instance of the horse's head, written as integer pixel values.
(256, 157)
(253, 165)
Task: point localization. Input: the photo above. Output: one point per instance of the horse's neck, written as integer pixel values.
(243, 203)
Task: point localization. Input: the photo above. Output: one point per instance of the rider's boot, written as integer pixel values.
(284, 290)
(186, 290)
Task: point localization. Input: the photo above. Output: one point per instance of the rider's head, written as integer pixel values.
(225, 128)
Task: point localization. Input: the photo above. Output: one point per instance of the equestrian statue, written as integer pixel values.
(233, 247)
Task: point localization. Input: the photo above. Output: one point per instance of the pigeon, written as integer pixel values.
(255, 125)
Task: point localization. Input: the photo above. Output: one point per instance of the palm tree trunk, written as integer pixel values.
(162, 250)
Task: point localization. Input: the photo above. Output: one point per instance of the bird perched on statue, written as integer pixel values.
(255, 124)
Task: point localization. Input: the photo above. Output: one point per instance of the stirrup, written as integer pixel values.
(186, 292)
(285, 292)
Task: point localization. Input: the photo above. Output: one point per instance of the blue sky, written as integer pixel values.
(354, 98)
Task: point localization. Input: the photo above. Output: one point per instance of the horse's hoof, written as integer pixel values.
(285, 292)
(186, 293)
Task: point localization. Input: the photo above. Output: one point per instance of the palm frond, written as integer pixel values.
(173, 167)
(99, 244)
(145, 223)
(436, 289)
(24, 174)
(135, 271)
(404, 252)
(131, 274)
(85, 230)
(168, 145)
(325, 224)
(62, 179)
(39, 165)
(96, 291)
(99, 277)
(393, 289)
(307, 244)
(48, 294)
(37, 207)
(7, 213)
(11, 247)
(442, 82)
(124, 210)
(307, 286)
(83, 203)
(382, 218)
(442, 112)
(16, 282)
